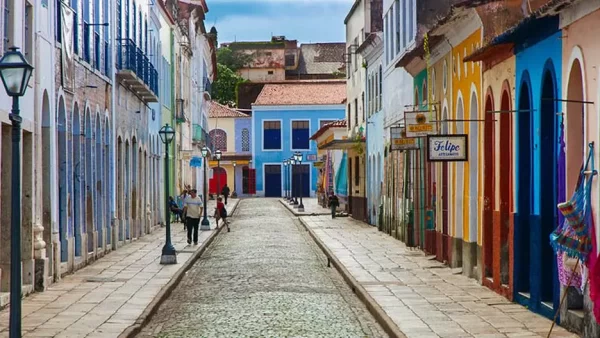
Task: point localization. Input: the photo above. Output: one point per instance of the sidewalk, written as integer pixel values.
(418, 296)
(106, 297)
(311, 207)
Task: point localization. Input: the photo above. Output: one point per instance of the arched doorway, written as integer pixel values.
(459, 191)
(489, 201)
(218, 180)
(78, 169)
(47, 176)
(445, 256)
(107, 182)
(245, 177)
(505, 182)
(126, 191)
(547, 277)
(474, 175)
(62, 179)
(99, 185)
(524, 191)
(133, 188)
(89, 181)
(120, 190)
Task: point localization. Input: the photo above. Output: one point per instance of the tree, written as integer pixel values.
(225, 87)
(234, 60)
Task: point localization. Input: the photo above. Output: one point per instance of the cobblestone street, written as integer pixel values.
(266, 278)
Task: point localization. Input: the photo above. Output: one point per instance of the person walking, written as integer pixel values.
(184, 195)
(334, 202)
(225, 192)
(193, 210)
(221, 213)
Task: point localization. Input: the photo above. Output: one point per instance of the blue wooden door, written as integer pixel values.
(272, 181)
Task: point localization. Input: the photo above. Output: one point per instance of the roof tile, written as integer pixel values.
(218, 110)
(297, 93)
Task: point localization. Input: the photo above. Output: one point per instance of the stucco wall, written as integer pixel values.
(286, 115)
(228, 126)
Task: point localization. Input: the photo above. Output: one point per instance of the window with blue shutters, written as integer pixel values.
(75, 27)
(58, 21)
(97, 34)
(272, 135)
(140, 31)
(134, 35)
(300, 135)
(127, 19)
(106, 40)
(146, 35)
(86, 31)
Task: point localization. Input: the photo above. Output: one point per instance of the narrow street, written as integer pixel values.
(266, 278)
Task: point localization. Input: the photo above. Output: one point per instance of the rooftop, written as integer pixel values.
(321, 58)
(218, 110)
(303, 93)
(323, 129)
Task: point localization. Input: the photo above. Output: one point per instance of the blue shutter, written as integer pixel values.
(272, 135)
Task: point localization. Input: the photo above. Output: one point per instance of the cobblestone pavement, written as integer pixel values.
(265, 278)
(104, 298)
(423, 297)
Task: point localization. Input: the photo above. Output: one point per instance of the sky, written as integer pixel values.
(256, 20)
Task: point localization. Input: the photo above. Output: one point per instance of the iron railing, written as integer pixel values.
(131, 57)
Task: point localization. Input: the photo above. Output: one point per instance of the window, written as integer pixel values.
(348, 115)
(425, 93)
(380, 92)
(355, 54)
(385, 34)
(75, 27)
(219, 139)
(356, 171)
(355, 112)
(404, 24)
(445, 76)
(322, 123)
(86, 32)
(349, 61)
(127, 19)
(268, 53)
(397, 25)
(270, 72)
(362, 104)
(6, 27)
(245, 139)
(411, 19)
(290, 60)
(58, 23)
(369, 93)
(28, 32)
(300, 135)
(146, 35)
(272, 135)
(134, 35)
(140, 41)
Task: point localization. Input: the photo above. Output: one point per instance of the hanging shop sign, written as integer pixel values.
(418, 123)
(400, 141)
(311, 157)
(447, 148)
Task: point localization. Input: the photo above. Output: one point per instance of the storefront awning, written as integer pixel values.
(341, 144)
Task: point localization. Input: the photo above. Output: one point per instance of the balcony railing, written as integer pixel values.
(135, 67)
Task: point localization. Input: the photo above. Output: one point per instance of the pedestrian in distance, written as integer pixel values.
(334, 202)
(225, 192)
(221, 213)
(184, 195)
(193, 209)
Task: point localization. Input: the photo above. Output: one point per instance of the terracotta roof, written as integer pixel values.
(298, 93)
(218, 110)
(334, 124)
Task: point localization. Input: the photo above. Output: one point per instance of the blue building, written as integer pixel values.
(284, 117)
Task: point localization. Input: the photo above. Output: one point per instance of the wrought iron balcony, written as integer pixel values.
(136, 71)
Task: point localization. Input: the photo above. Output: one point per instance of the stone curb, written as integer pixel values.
(297, 214)
(381, 317)
(166, 291)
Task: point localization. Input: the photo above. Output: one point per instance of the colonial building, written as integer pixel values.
(283, 118)
(230, 131)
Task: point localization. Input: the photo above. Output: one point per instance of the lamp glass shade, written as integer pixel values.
(299, 159)
(218, 155)
(234, 164)
(204, 152)
(15, 72)
(166, 134)
(285, 163)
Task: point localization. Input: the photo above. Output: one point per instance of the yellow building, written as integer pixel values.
(230, 132)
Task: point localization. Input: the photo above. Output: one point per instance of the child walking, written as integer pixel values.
(221, 213)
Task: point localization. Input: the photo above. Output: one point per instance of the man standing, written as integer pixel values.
(334, 202)
(225, 192)
(193, 209)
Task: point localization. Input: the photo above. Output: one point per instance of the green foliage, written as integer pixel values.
(225, 87)
(233, 60)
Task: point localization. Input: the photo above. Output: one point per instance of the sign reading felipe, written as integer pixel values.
(447, 148)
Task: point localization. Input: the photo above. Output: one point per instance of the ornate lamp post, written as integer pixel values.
(285, 186)
(234, 194)
(294, 181)
(205, 225)
(290, 177)
(15, 72)
(298, 157)
(218, 155)
(169, 256)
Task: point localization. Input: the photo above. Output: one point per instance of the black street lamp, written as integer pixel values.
(298, 157)
(218, 155)
(294, 181)
(169, 255)
(234, 194)
(290, 177)
(205, 225)
(15, 72)
(285, 183)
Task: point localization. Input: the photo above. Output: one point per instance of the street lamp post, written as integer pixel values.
(205, 225)
(169, 255)
(234, 194)
(285, 183)
(15, 72)
(290, 179)
(218, 155)
(298, 157)
(294, 182)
